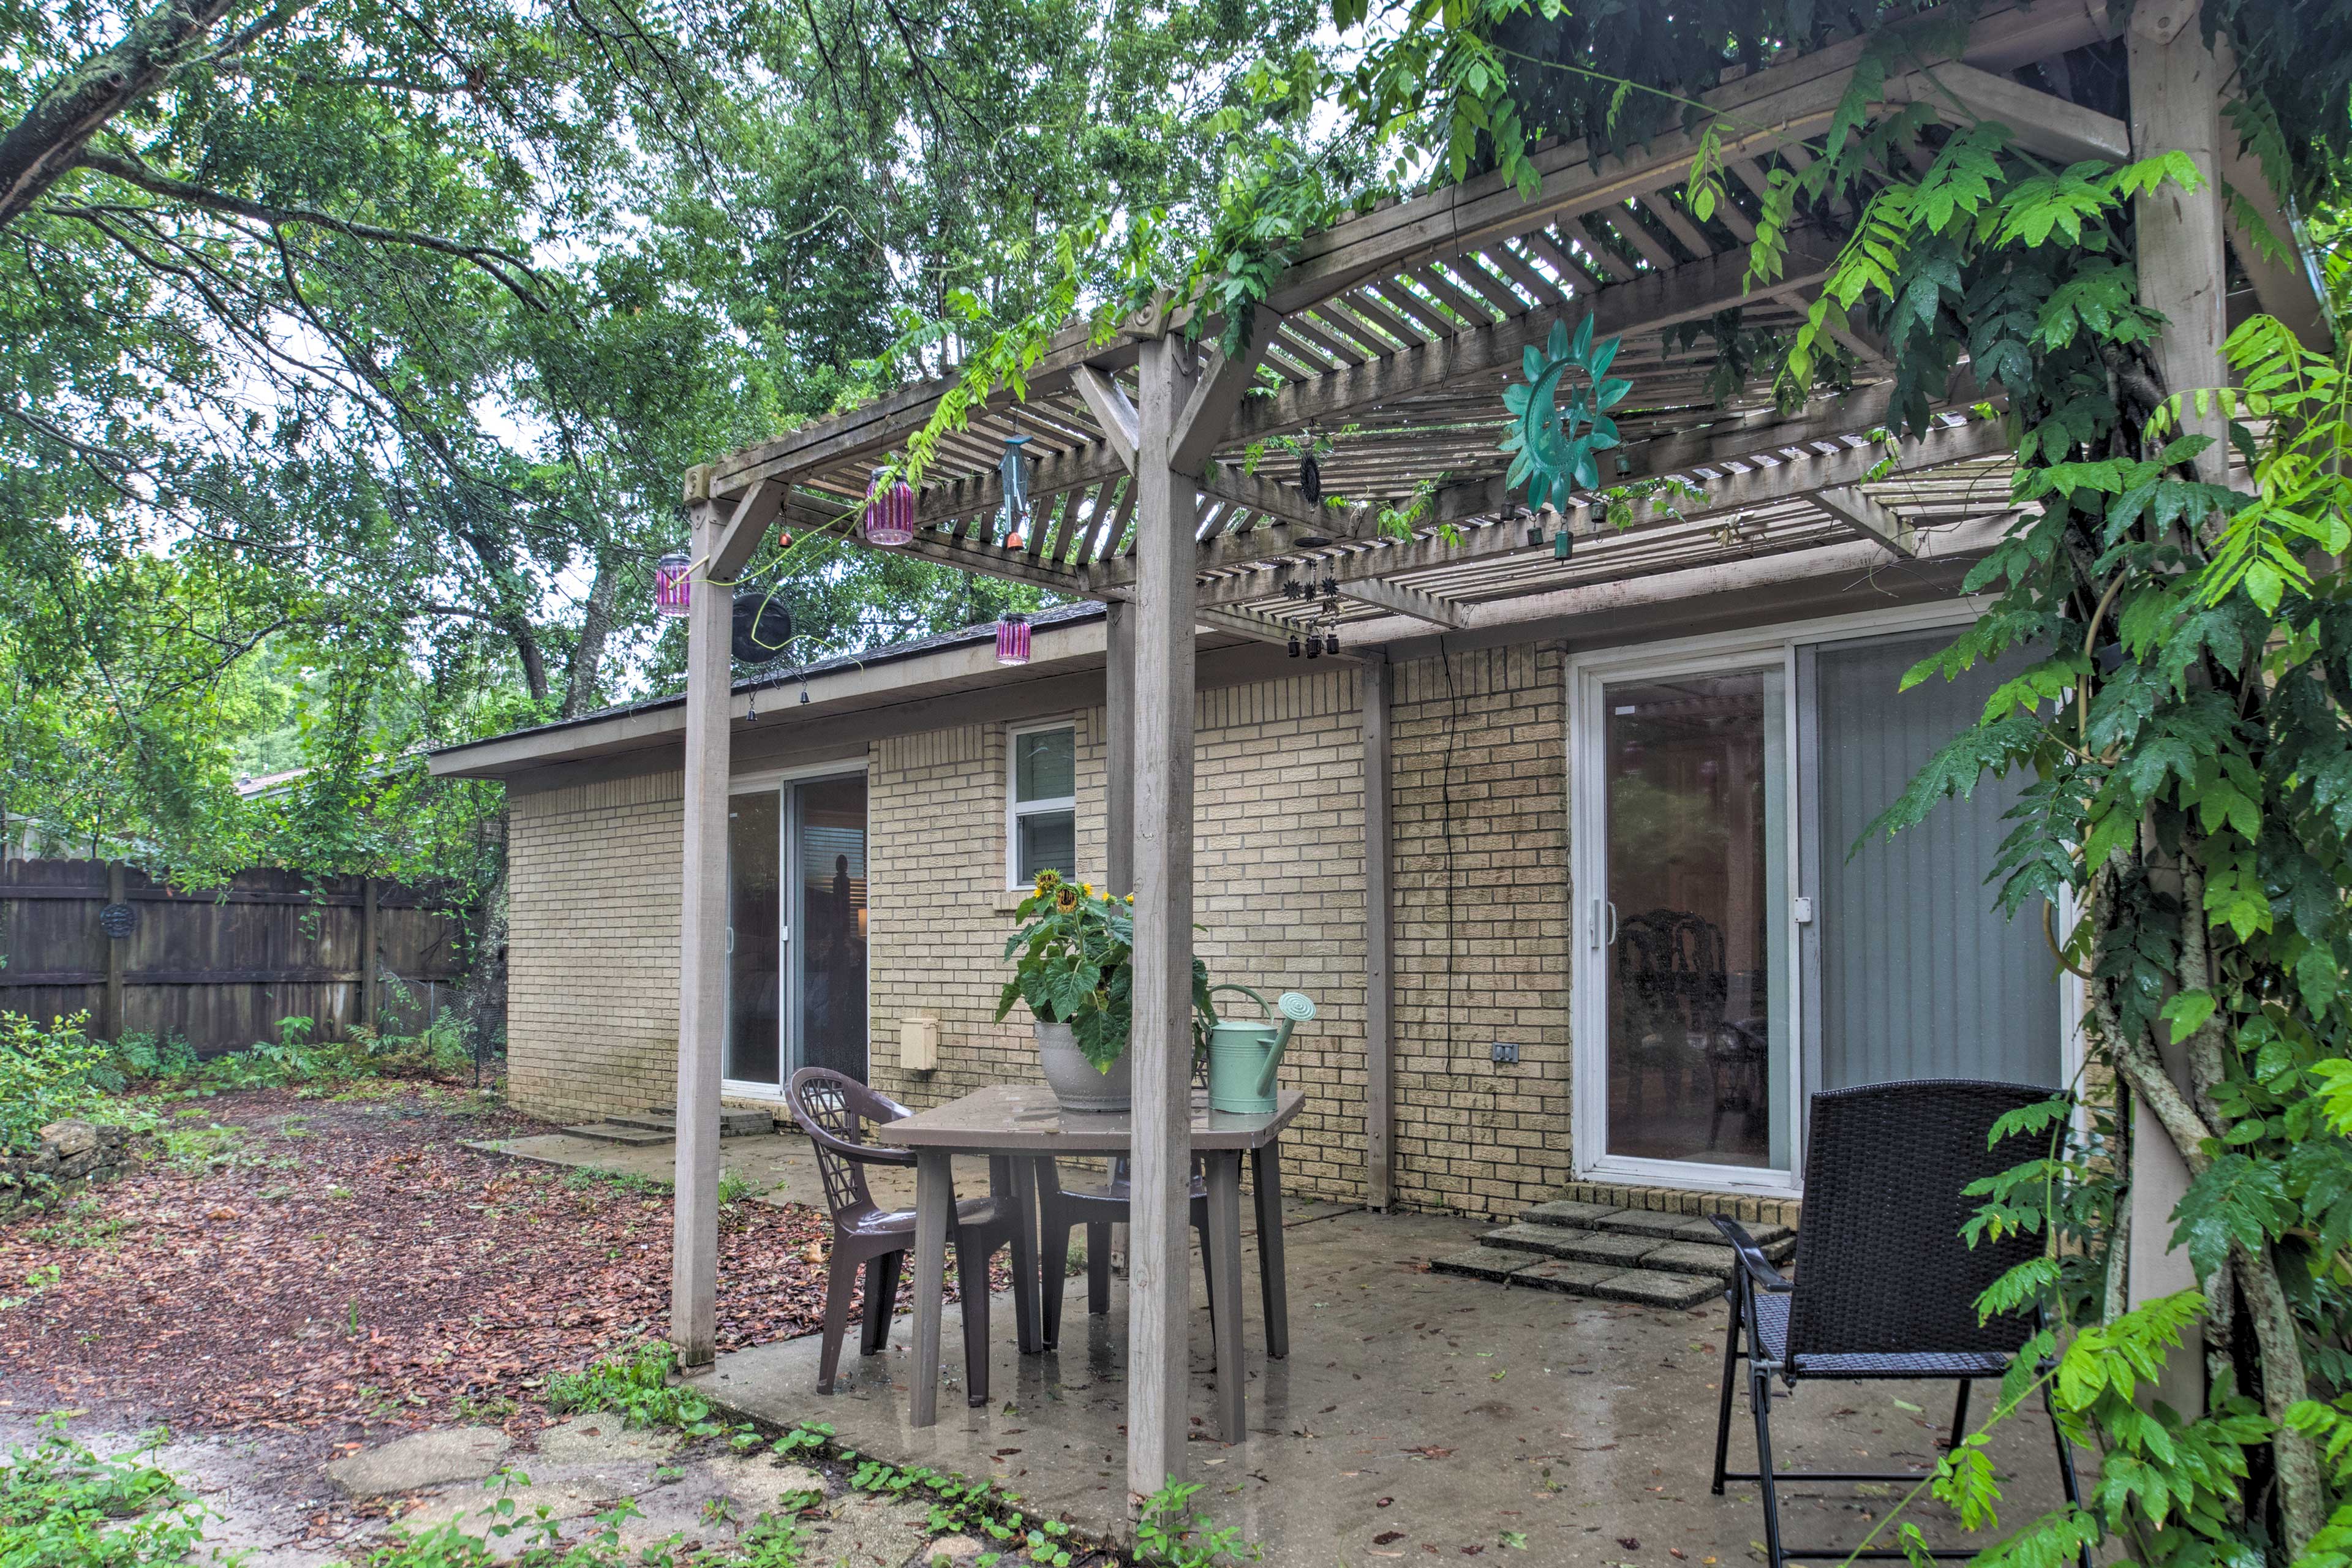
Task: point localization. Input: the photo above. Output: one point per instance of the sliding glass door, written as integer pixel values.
(796, 943)
(1740, 942)
(1685, 946)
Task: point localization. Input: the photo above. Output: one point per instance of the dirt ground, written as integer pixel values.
(300, 1274)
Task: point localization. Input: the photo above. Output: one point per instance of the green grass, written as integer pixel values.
(632, 1381)
(63, 1506)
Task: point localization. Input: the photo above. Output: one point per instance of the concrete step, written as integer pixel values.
(1778, 1242)
(1604, 1281)
(1618, 1248)
(614, 1132)
(731, 1123)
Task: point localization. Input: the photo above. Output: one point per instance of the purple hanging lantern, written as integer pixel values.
(1011, 638)
(889, 512)
(674, 583)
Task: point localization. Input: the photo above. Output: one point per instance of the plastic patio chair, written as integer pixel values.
(1885, 1286)
(835, 1111)
(1063, 1209)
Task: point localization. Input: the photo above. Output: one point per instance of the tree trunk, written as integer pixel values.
(41, 147)
(580, 681)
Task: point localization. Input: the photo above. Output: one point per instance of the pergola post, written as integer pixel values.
(1159, 1290)
(702, 955)
(1379, 941)
(1119, 760)
(2175, 98)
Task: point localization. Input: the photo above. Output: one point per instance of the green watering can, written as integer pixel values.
(1243, 1057)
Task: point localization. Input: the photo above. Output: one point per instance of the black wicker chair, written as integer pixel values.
(1885, 1286)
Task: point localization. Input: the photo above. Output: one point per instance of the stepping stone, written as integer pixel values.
(433, 1459)
(1551, 1240)
(1690, 1258)
(1567, 1212)
(1644, 1222)
(1568, 1279)
(1604, 1247)
(1491, 1263)
(1646, 1289)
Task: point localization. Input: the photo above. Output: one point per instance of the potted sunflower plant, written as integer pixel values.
(1073, 963)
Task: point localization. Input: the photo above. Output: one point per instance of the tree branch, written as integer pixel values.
(45, 144)
(498, 264)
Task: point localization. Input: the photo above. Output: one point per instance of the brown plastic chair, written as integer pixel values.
(834, 1110)
(1063, 1209)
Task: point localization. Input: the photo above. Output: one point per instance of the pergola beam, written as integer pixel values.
(1404, 600)
(1112, 411)
(1649, 302)
(1849, 505)
(1791, 478)
(1209, 411)
(1275, 498)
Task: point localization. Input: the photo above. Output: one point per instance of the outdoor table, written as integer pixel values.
(1025, 1122)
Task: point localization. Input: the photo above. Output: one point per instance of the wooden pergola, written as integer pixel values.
(1393, 335)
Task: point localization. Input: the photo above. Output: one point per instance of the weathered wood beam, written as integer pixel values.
(1791, 478)
(2283, 284)
(2037, 120)
(977, 495)
(1275, 498)
(1758, 113)
(1248, 624)
(1652, 301)
(1849, 505)
(1107, 402)
(702, 945)
(1404, 600)
(2176, 88)
(1201, 427)
(1160, 1295)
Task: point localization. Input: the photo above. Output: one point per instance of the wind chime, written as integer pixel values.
(1322, 634)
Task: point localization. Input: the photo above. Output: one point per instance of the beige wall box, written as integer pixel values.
(918, 1043)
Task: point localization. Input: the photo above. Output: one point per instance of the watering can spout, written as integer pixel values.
(1295, 1008)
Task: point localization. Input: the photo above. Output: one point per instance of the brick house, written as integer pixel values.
(1721, 737)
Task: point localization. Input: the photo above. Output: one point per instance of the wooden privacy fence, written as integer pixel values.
(218, 968)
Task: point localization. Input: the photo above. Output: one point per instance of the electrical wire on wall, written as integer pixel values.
(1453, 723)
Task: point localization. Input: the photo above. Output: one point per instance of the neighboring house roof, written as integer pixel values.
(1064, 636)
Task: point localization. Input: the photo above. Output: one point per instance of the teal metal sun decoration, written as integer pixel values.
(1554, 437)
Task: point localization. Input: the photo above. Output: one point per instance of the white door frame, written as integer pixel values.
(777, 781)
(1587, 674)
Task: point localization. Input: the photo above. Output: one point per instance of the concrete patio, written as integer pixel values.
(1417, 1414)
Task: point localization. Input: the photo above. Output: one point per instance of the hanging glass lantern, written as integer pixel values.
(674, 583)
(1011, 638)
(889, 512)
(1013, 471)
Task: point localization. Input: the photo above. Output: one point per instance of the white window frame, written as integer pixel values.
(1587, 674)
(1015, 808)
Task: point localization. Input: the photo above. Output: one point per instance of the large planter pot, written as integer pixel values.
(1075, 1080)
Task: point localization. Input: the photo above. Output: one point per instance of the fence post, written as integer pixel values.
(367, 951)
(111, 1026)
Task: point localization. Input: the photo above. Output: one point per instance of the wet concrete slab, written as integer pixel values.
(1416, 1412)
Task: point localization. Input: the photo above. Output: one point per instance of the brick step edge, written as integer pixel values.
(731, 1123)
(1597, 1281)
(611, 1132)
(1777, 1240)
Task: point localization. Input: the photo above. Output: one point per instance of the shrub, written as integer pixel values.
(45, 1074)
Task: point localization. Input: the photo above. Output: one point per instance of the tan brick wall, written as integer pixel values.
(1482, 920)
(1278, 878)
(1483, 926)
(592, 944)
